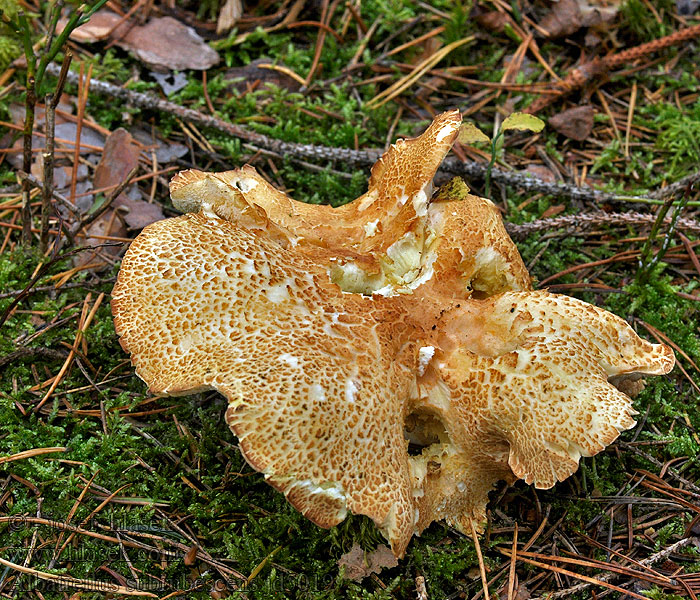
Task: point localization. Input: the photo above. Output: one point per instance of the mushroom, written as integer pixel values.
(389, 357)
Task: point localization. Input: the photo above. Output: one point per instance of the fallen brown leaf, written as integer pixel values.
(574, 123)
(162, 44)
(492, 20)
(427, 49)
(166, 44)
(120, 155)
(359, 564)
(98, 28)
(140, 213)
(553, 211)
(564, 19)
(541, 172)
(520, 593)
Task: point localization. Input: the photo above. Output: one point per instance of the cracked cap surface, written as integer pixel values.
(339, 336)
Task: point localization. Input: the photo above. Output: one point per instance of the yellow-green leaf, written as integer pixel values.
(523, 122)
(470, 133)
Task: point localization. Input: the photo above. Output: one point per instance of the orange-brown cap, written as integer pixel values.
(387, 358)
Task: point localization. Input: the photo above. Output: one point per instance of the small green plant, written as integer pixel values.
(649, 261)
(470, 133)
(19, 23)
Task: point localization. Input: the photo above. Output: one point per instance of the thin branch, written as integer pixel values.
(653, 559)
(60, 198)
(78, 18)
(50, 104)
(355, 158)
(85, 584)
(47, 192)
(569, 224)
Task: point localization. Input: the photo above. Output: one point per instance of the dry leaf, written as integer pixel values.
(431, 86)
(595, 12)
(553, 211)
(359, 564)
(574, 123)
(120, 155)
(231, 11)
(140, 213)
(69, 132)
(98, 28)
(170, 82)
(564, 19)
(670, 567)
(522, 122)
(492, 20)
(162, 44)
(541, 172)
(166, 44)
(427, 49)
(520, 593)
(166, 152)
(470, 134)
(17, 112)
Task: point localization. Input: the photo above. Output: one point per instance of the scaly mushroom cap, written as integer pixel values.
(442, 342)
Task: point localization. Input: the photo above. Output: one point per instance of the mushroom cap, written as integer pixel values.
(398, 194)
(338, 336)
(203, 304)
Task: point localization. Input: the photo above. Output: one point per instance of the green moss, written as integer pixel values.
(641, 22)
(678, 135)
(10, 49)
(189, 465)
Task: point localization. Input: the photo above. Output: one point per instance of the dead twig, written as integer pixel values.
(584, 74)
(479, 556)
(84, 584)
(607, 577)
(348, 156)
(50, 104)
(85, 320)
(30, 454)
(25, 352)
(56, 196)
(37, 276)
(569, 224)
(670, 472)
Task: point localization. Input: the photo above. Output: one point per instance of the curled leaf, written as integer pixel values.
(470, 133)
(522, 122)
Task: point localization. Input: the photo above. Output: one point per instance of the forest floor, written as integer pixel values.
(105, 484)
